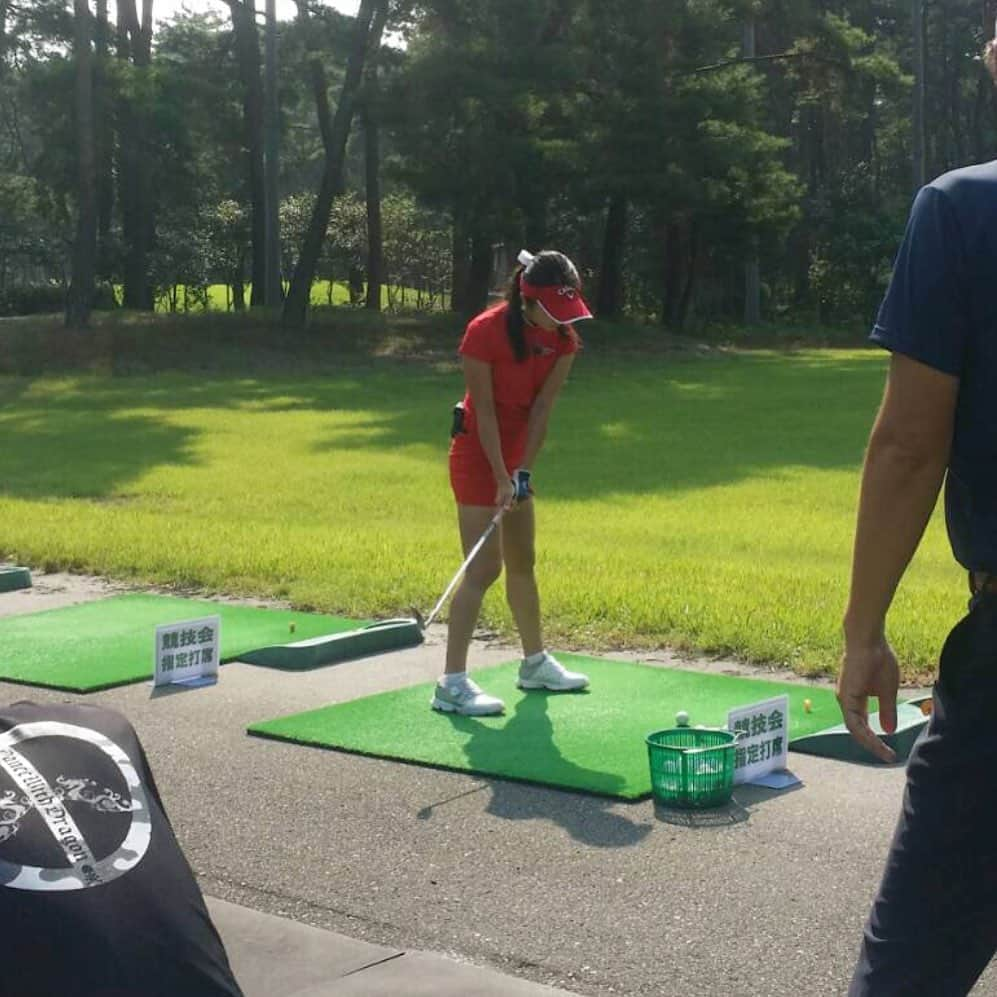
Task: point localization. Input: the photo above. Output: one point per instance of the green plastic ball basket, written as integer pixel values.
(692, 767)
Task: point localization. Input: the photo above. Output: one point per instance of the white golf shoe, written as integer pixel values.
(465, 697)
(549, 673)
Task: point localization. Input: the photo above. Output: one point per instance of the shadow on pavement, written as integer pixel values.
(738, 811)
(526, 746)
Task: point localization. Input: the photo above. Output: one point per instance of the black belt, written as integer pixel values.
(982, 581)
(981, 584)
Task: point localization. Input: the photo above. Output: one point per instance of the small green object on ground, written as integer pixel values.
(110, 642)
(594, 741)
(14, 578)
(691, 768)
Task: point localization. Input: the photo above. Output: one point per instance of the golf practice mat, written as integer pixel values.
(591, 740)
(110, 642)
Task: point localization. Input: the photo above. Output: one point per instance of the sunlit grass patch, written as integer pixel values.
(705, 503)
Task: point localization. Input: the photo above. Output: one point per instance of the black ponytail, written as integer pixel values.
(515, 321)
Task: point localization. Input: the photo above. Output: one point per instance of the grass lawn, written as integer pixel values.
(324, 292)
(705, 502)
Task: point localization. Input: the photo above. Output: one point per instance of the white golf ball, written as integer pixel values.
(682, 719)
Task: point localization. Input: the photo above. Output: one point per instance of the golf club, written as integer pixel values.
(375, 638)
(475, 550)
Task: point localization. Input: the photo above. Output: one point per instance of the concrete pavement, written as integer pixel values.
(276, 957)
(591, 895)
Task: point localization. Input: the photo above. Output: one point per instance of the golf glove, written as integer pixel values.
(521, 483)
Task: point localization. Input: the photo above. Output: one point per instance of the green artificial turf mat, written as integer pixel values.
(101, 644)
(591, 741)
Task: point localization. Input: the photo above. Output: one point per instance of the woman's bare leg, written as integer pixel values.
(519, 554)
(481, 574)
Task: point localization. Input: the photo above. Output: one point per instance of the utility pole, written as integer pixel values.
(81, 287)
(752, 271)
(918, 144)
(271, 157)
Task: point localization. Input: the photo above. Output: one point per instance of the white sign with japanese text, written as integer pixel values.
(188, 652)
(763, 745)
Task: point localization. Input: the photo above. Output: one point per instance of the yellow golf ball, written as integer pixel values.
(807, 706)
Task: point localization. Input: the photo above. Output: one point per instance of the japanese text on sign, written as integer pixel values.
(762, 745)
(187, 651)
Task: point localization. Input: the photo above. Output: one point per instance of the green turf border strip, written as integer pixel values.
(837, 743)
(375, 638)
(14, 578)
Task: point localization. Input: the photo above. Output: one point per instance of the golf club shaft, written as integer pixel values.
(496, 519)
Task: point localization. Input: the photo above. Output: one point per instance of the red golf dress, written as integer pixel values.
(515, 386)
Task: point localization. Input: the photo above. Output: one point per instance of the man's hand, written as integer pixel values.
(869, 670)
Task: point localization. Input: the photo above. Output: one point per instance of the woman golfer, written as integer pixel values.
(516, 358)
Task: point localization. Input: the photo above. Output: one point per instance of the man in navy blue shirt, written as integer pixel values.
(933, 925)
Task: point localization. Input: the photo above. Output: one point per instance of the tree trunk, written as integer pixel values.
(137, 206)
(81, 288)
(919, 167)
(984, 94)
(480, 273)
(460, 263)
(692, 265)
(247, 47)
(866, 148)
(104, 142)
(372, 166)
(669, 276)
(238, 292)
(609, 303)
(752, 273)
(816, 150)
(955, 105)
(870, 140)
(367, 33)
(943, 142)
(676, 287)
(472, 265)
(752, 285)
(271, 150)
(535, 211)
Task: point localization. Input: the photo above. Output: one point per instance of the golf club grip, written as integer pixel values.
(496, 519)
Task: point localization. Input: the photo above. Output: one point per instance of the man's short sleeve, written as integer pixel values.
(479, 342)
(925, 314)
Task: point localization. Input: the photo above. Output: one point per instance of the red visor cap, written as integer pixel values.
(563, 304)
